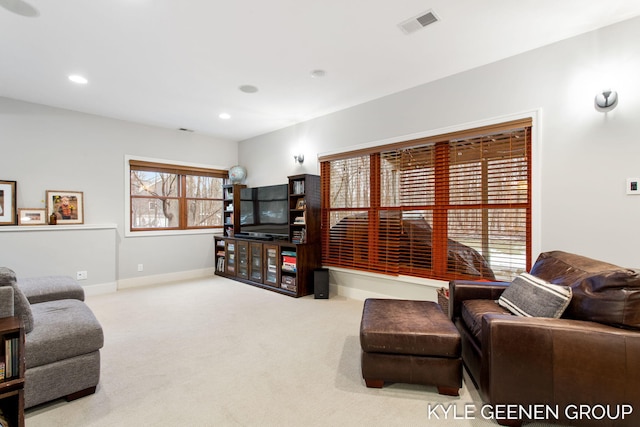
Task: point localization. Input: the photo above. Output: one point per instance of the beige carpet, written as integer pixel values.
(216, 352)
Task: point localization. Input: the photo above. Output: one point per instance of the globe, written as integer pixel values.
(237, 174)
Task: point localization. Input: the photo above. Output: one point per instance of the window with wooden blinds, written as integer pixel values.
(451, 207)
(174, 197)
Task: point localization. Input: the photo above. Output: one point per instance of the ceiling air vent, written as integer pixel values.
(418, 22)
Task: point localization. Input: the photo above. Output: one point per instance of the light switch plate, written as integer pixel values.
(633, 185)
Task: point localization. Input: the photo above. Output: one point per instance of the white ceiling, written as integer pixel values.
(179, 63)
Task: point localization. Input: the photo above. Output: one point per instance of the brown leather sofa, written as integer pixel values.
(590, 356)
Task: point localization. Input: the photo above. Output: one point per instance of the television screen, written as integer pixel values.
(264, 210)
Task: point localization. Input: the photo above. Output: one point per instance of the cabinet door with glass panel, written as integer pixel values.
(271, 265)
(242, 261)
(255, 267)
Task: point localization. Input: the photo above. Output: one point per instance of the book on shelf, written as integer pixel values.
(292, 288)
(220, 266)
(291, 268)
(298, 187)
(11, 365)
(299, 236)
(288, 253)
(289, 283)
(289, 259)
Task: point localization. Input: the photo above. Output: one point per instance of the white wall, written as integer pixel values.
(584, 157)
(45, 148)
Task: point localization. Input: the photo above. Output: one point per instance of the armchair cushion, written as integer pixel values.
(21, 306)
(50, 288)
(473, 310)
(602, 292)
(64, 329)
(530, 296)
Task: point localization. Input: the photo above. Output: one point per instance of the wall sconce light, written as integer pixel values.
(606, 100)
(299, 158)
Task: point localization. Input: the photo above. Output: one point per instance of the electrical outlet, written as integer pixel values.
(633, 186)
(81, 275)
(140, 267)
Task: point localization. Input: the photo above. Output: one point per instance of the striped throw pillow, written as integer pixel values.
(530, 296)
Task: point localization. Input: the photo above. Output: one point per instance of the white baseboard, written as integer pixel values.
(101, 288)
(158, 279)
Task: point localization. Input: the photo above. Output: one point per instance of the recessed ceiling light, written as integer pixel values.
(224, 116)
(248, 89)
(78, 79)
(316, 74)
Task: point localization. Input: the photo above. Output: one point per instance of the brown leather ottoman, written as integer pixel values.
(411, 342)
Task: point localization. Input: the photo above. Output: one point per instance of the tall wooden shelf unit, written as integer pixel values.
(231, 208)
(12, 380)
(284, 266)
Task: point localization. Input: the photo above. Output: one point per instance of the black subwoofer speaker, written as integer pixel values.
(321, 283)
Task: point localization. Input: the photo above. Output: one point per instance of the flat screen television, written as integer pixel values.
(264, 211)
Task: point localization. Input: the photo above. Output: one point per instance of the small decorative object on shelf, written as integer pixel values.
(53, 219)
(237, 174)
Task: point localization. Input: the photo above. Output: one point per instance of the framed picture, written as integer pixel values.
(67, 206)
(32, 216)
(8, 203)
(301, 204)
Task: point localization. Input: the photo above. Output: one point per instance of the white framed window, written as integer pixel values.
(165, 197)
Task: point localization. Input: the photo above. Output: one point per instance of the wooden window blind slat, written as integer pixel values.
(449, 206)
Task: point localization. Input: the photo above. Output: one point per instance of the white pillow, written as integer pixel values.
(530, 296)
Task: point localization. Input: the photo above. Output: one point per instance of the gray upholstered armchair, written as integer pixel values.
(62, 336)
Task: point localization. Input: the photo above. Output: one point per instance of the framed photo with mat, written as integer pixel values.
(67, 206)
(8, 203)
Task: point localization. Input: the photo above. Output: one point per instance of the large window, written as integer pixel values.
(169, 197)
(446, 207)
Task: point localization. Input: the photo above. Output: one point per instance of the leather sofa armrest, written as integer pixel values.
(461, 290)
(558, 362)
(6, 301)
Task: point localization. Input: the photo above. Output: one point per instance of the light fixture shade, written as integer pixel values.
(607, 100)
